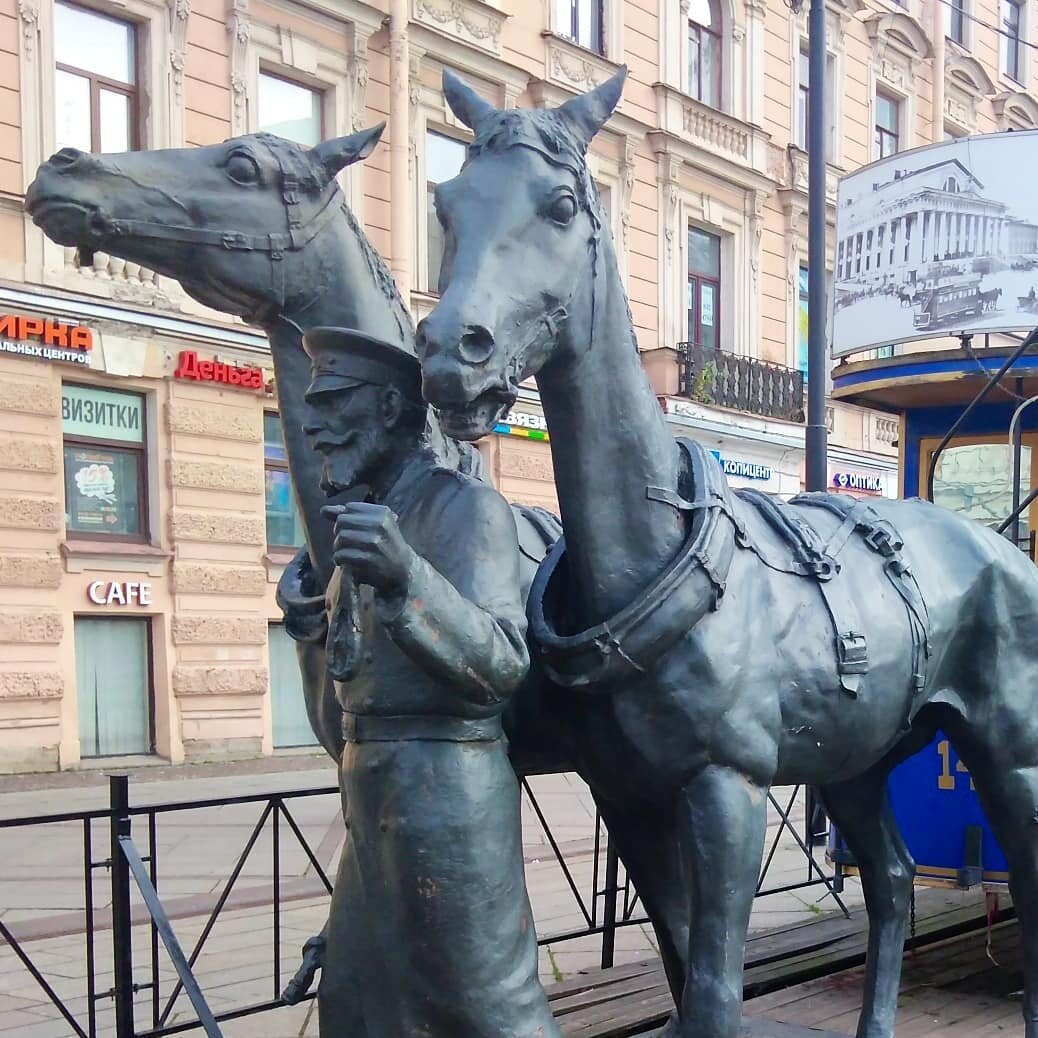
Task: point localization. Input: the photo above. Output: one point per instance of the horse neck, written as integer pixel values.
(342, 283)
(609, 442)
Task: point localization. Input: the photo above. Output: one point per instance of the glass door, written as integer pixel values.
(288, 707)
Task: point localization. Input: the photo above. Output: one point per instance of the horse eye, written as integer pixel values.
(242, 168)
(563, 209)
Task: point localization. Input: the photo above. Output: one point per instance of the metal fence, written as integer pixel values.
(130, 987)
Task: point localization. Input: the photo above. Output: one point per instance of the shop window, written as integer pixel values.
(955, 21)
(290, 110)
(1009, 40)
(95, 80)
(704, 52)
(583, 21)
(289, 719)
(802, 325)
(105, 463)
(888, 125)
(976, 480)
(443, 160)
(284, 528)
(704, 288)
(113, 686)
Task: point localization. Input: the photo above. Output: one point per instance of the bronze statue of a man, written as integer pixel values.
(434, 934)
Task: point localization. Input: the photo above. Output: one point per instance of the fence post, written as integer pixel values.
(611, 892)
(122, 929)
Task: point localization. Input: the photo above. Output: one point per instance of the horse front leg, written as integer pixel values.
(723, 815)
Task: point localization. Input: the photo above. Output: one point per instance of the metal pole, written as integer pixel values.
(611, 891)
(122, 928)
(816, 445)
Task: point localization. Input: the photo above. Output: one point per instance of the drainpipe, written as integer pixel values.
(937, 33)
(399, 129)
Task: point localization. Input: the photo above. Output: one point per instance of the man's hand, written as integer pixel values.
(369, 543)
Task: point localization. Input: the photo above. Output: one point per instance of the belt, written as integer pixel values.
(428, 727)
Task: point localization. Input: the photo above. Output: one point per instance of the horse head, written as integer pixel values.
(524, 246)
(228, 221)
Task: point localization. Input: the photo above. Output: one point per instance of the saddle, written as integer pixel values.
(780, 534)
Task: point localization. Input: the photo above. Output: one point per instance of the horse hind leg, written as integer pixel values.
(860, 809)
(1009, 796)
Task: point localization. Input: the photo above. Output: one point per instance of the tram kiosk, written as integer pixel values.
(934, 309)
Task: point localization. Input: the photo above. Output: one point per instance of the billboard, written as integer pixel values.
(937, 242)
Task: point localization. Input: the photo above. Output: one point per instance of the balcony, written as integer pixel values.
(710, 376)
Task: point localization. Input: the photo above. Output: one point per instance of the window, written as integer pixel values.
(443, 159)
(104, 463)
(289, 719)
(888, 126)
(284, 529)
(95, 81)
(1010, 39)
(583, 22)
(704, 287)
(955, 21)
(113, 686)
(704, 52)
(290, 110)
(802, 323)
(803, 113)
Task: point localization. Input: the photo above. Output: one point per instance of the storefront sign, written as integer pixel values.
(45, 339)
(103, 414)
(858, 481)
(525, 424)
(745, 469)
(119, 592)
(190, 367)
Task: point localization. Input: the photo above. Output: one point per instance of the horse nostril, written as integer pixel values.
(477, 344)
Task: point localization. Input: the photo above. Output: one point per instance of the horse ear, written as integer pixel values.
(587, 114)
(340, 152)
(464, 102)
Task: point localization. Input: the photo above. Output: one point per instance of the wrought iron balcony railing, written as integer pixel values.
(712, 376)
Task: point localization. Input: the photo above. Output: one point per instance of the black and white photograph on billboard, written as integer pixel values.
(938, 242)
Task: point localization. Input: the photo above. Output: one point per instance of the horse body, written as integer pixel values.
(752, 692)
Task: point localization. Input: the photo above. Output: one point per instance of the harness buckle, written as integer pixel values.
(235, 240)
(882, 538)
(852, 653)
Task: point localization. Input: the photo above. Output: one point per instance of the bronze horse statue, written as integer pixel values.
(715, 644)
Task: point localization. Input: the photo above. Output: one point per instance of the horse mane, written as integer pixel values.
(315, 179)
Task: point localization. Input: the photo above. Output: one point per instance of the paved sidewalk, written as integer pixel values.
(43, 890)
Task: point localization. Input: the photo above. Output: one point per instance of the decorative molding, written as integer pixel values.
(239, 25)
(755, 212)
(1016, 109)
(574, 67)
(467, 20)
(179, 13)
(626, 177)
(359, 80)
(29, 15)
(710, 128)
(900, 33)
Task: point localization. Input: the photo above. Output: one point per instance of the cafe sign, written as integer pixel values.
(45, 339)
(119, 592)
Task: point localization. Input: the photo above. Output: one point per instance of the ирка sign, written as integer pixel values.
(46, 339)
(190, 367)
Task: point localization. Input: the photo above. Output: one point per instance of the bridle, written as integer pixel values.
(301, 227)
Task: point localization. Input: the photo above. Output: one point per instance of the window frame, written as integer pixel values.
(143, 483)
(1006, 39)
(717, 38)
(572, 30)
(699, 279)
(882, 132)
(432, 289)
(955, 12)
(321, 90)
(130, 90)
(278, 466)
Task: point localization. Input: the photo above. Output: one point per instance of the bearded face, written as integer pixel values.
(347, 428)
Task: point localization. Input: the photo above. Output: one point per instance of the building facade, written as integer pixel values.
(144, 507)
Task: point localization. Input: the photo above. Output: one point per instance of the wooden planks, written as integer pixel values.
(803, 976)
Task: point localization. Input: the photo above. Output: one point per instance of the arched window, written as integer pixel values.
(704, 51)
(951, 185)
